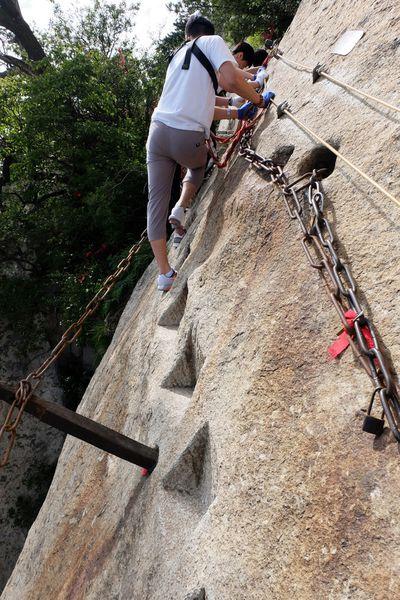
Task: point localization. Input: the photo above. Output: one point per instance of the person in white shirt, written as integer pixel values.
(181, 124)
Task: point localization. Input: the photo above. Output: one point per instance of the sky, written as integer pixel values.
(153, 19)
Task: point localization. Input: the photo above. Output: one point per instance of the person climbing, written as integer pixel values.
(180, 126)
(256, 74)
(258, 60)
(244, 54)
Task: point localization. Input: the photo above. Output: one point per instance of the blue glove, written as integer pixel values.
(267, 97)
(247, 111)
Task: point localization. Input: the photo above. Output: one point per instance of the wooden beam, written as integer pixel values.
(87, 430)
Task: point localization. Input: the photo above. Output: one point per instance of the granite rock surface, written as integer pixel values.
(266, 487)
(25, 479)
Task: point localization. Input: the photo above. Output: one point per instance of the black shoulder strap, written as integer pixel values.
(171, 56)
(202, 58)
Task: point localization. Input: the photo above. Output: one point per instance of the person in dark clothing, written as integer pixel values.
(259, 56)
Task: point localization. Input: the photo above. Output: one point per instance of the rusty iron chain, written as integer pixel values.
(317, 237)
(27, 386)
(304, 200)
(244, 132)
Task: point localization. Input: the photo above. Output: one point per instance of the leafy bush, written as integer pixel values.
(75, 199)
(238, 19)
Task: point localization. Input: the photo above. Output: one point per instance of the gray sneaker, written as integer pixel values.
(164, 283)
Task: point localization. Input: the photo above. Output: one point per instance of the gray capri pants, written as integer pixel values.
(167, 147)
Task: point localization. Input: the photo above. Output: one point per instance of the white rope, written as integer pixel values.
(339, 155)
(336, 81)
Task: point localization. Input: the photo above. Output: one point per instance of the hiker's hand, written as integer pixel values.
(236, 101)
(247, 111)
(267, 97)
(261, 76)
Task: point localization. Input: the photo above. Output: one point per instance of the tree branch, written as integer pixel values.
(13, 193)
(15, 62)
(5, 175)
(51, 195)
(11, 18)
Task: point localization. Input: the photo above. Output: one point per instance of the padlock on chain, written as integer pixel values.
(371, 424)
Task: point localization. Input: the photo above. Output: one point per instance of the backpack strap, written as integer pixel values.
(202, 58)
(188, 58)
(171, 56)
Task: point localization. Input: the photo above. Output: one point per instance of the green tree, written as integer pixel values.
(73, 197)
(238, 19)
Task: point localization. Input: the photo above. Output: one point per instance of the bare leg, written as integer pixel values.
(159, 248)
(185, 200)
(187, 193)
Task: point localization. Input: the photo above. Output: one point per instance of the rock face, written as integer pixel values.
(26, 478)
(266, 486)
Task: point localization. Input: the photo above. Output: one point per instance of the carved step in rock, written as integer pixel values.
(199, 594)
(282, 155)
(183, 252)
(319, 158)
(187, 366)
(191, 476)
(172, 315)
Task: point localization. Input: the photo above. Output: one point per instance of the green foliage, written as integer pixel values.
(238, 19)
(101, 26)
(72, 146)
(76, 199)
(256, 40)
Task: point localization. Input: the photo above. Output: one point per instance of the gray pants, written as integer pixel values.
(167, 147)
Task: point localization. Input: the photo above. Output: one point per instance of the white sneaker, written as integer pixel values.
(164, 283)
(177, 216)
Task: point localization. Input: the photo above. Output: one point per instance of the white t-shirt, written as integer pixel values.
(188, 98)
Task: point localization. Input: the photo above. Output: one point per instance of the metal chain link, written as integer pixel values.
(319, 245)
(243, 133)
(27, 386)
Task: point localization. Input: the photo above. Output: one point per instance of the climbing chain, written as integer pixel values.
(304, 200)
(245, 129)
(27, 386)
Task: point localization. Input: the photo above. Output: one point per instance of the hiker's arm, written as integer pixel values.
(249, 77)
(234, 82)
(220, 101)
(247, 111)
(246, 74)
(222, 112)
(246, 77)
